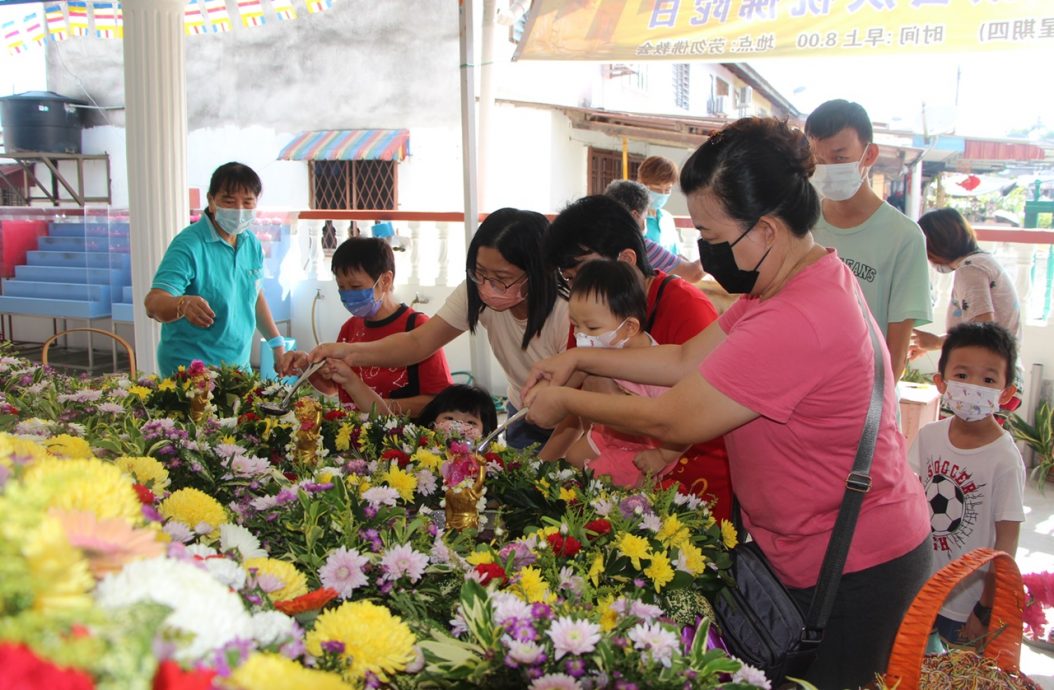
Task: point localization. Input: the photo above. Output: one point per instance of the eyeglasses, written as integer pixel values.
(478, 278)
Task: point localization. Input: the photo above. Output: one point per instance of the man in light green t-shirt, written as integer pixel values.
(885, 249)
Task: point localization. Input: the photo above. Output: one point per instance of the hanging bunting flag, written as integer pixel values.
(316, 6)
(216, 12)
(105, 20)
(251, 13)
(118, 16)
(33, 29)
(13, 38)
(78, 17)
(193, 19)
(56, 22)
(283, 9)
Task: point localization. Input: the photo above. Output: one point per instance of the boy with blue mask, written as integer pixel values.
(885, 249)
(364, 269)
(972, 471)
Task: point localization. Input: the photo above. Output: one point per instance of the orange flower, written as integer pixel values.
(109, 543)
(312, 601)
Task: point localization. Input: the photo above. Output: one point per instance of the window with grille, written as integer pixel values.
(356, 185)
(681, 83)
(605, 166)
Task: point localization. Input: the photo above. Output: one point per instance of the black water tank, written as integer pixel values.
(41, 121)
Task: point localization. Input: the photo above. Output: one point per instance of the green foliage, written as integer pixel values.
(1039, 437)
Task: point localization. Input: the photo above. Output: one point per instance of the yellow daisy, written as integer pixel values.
(343, 439)
(400, 480)
(660, 571)
(568, 494)
(634, 548)
(167, 385)
(98, 487)
(374, 640)
(428, 460)
(596, 569)
(293, 581)
(141, 392)
(532, 585)
(728, 534)
(276, 672)
(694, 560)
(609, 617)
(673, 532)
(66, 446)
(194, 508)
(146, 470)
(480, 557)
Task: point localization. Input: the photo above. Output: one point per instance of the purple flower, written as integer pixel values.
(343, 571)
(540, 610)
(372, 537)
(634, 505)
(357, 466)
(576, 668)
(333, 647)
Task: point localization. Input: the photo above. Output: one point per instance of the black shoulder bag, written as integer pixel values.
(760, 622)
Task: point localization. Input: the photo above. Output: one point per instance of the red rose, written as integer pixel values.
(312, 601)
(495, 458)
(564, 546)
(491, 571)
(247, 417)
(146, 496)
(170, 676)
(335, 414)
(600, 526)
(397, 455)
(24, 670)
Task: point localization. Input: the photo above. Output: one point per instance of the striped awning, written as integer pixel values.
(348, 145)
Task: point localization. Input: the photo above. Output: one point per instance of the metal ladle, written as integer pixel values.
(282, 406)
(489, 438)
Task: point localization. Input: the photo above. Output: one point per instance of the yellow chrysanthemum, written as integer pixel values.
(673, 532)
(427, 460)
(59, 574)
(194, 508)
(145, 470)
(609, 617)
(97, 487)
(276, 672)
(544, 484)
(343, 440)
(634, 548)
(728, 534)
(141, 392)
(710, 521)
(229, 440)
(293, 581)
(326, 476)
(480, 557)
(14, 447)
(694, 560)
(532, 586)
(374, 640)
(400, 480)
(596, 569)
(353, 480)
(167, 385)
(543, 533)
(660, 571)
(568, 494)
(66, 446)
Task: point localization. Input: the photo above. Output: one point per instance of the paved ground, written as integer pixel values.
(1035, 553)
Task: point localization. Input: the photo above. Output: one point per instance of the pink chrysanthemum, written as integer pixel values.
(403, 561)
(343, 571)
(572, 636)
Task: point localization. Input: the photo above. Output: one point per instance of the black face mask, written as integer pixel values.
(719, 261)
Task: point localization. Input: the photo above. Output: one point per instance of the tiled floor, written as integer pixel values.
(1035, 553)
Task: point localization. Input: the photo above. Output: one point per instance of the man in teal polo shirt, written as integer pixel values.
(206, 292)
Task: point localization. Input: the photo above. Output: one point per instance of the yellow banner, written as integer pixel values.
(747, 30)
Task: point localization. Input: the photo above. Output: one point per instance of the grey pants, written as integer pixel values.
(867, 613)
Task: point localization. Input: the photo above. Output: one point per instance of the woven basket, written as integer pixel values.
(51, 341)
(1004, 645)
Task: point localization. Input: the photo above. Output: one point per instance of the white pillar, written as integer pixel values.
(487, 79)
(156, 133)
(913, 196)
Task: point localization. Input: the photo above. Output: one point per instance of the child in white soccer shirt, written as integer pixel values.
(972, 471)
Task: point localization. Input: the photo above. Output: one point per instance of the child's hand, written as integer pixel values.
(650, 462)
(973, 631)
(340, 373)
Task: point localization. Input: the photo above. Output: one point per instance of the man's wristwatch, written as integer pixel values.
(983, 613)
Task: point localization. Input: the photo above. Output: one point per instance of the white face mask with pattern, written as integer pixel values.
(969, 402)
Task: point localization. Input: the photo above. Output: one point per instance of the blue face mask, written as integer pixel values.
(234, 221)
(656, 200)
(361, 303)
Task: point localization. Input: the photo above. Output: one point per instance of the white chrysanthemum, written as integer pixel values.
(201, 551)
(651, 521)
(655, 641)
(426, 483)
(201, 606)
(508, 606)
(751, 676)
(273, 628)
(33, 429)
(179, 532)
(237, 538)
(381, 495)
(690, 500)
(226, 571)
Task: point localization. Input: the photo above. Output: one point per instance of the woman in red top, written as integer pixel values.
(364, 268)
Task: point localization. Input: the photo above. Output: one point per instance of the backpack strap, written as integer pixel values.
(658, 298)
(413, 384)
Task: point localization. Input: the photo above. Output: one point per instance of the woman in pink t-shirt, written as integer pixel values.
(786, 375)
